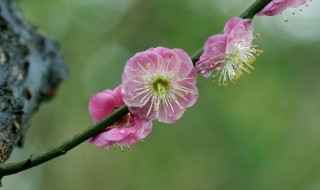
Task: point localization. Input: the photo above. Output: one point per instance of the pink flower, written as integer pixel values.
(159, 84)
(278, 6)
(230, 53)
(124, 132)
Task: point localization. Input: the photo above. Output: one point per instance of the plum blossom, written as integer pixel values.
(159, 83)
(125, 132)
(229, 54)
(278, 6)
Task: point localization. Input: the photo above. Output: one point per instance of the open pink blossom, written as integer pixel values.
(159, 84)
(125, 132)
(230, 53)
(278, 6)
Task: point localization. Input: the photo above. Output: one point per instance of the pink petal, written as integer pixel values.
(170, 58)
(268, 10)
(128, 141)
(98, 140)
(189, 98)
(242, 33)
(101, 105)
(145, 130)
(186, 65)
(144, 112)
(142, 63)
(115, 134)
(296, 3)
(130, 89)
(280, 1)
(277, 6)
(233, 22)
(275, 10)
(118, 94)
(214, 53)
(214, 46)
(168, 115)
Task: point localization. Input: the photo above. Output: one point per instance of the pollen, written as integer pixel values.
(238, 61)
(125, 121)
(161, 86)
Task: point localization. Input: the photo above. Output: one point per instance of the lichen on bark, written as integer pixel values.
(31, 68)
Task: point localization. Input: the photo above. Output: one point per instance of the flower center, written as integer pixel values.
(239, 59)
(123, 122)
(161, 86)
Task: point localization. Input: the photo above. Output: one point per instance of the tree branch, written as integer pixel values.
(31, 67)
(34, 160)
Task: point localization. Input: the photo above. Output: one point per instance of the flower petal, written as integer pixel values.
(186, 65)
(277, 6)
(142, 64)
(100, 141)
(296, 3)
(213, 54)
(134, 92)
(118, 94)
(233, 22)
(101, 105)
(171, 60)
(146, 111)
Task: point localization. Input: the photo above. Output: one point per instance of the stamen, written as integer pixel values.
(184, 89)
(237, 61)
(164, 107)
(151, 105)
(179, 94)
(174, 98)
(145, 69)
(149, 95)
(285, 17)
(257, 36)
(140, 93)
(292, 11)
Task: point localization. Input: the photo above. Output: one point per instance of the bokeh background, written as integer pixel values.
(261, 133)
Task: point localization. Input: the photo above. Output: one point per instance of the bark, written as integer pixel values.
(31, 68)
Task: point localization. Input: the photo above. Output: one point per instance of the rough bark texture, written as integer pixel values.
(31, 67)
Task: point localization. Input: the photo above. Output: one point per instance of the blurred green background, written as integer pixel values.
(261, 133)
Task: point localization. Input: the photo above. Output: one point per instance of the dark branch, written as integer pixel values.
(31, 67)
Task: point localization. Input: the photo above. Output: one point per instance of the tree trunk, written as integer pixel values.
(31, 68)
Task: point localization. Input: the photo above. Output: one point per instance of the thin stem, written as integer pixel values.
(254, 9)
(61, 149)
